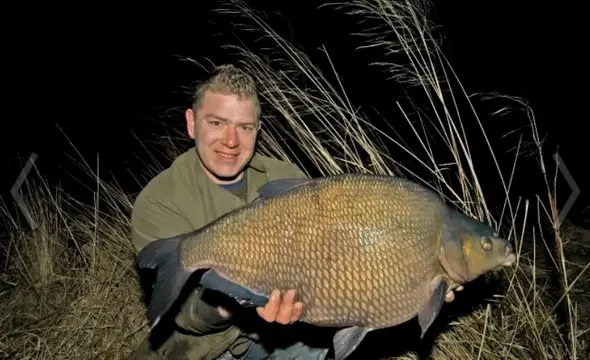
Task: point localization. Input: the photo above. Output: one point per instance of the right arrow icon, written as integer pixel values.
(570, 180)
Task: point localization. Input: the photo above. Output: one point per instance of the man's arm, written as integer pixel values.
(152, 220)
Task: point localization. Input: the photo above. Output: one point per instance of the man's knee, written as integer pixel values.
(298, 351)
(145, 352)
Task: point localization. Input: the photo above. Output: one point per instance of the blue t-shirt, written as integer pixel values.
(238, 188)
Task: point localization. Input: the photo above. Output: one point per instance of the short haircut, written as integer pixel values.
(231, 80)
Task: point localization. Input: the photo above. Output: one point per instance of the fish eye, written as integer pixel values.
(486, 243)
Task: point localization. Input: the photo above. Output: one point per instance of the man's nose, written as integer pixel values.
(230, 137)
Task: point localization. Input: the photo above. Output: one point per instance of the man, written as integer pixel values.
(222, 172)
(218, 175)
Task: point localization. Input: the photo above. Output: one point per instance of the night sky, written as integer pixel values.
(99, 73)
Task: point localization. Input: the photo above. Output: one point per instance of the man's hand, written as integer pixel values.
(284, 311)
(451, 293)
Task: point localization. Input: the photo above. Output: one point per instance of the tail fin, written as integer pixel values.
(163, 256)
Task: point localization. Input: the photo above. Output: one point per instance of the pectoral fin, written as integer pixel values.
(347, 340)
(432, 308)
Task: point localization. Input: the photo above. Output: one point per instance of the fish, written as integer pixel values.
(363, 252)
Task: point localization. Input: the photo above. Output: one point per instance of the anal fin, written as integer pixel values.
(347, 340)
(432, 308)
(213, 280)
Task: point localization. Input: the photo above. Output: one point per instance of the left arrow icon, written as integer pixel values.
(15, 191)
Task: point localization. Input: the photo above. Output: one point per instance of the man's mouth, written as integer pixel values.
(227, 156)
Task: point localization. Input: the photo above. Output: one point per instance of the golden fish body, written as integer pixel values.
(362, 251)
(359, 250)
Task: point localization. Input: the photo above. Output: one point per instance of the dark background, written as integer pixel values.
(100, 73)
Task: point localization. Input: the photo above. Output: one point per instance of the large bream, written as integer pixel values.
(362, 251)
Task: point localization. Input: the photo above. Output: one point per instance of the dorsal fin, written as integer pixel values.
(277, 187)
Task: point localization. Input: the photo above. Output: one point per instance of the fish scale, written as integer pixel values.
(363, 252)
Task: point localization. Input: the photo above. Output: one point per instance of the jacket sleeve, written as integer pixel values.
(152, 219)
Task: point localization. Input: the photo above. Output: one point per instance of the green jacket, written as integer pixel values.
(181, 199)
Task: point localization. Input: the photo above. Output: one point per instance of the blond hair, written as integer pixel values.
(229, 80)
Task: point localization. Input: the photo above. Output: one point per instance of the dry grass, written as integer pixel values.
(69, 290)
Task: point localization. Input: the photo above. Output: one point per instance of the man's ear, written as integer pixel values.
(190, 122)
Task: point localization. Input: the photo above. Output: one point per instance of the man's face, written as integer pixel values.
(225, 130)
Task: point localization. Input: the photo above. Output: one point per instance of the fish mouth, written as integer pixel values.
(510, 256)
(509, 260)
